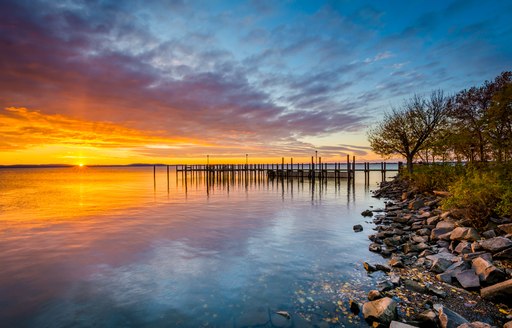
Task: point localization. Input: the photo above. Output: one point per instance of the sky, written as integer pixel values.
(120, 82)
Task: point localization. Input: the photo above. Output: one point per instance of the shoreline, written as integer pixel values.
(439, 272)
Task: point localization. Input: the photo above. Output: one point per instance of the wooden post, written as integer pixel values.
(348, 167)
(354, 166)
(320, 167)
(154, 176)
(312, 169)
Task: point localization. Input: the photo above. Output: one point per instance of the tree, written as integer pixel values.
(409, 129)
(499, 123)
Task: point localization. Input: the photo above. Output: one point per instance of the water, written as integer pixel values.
(98, 246)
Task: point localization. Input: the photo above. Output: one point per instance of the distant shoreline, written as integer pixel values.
(48, 166)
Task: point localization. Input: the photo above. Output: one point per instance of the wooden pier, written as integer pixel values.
(310, 170)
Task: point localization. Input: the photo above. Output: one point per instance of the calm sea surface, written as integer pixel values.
(83, 247)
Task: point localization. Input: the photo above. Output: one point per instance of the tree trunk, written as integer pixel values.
(409, 164)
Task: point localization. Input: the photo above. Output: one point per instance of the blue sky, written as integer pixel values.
(230, 77)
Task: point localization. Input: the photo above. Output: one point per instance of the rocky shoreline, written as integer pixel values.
(441, 272)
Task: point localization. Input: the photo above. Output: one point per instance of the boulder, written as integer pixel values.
(433, 220)
(496, 244)
(508, 325)
(414, 286)
(398, 324)
(416, 204)
(449, 318)
(507, 228)
(464, 233)
(472, 256)
(468, 279)
(502, 290)
(440, 262)
(442, 229)
(396, 262)
(489, 234)
(382, 311)
(374, 247)
(358, 228)
(374, 295)
(427, 319)
(464, 247)
(385, 285)
(505, 254)
(354, 307)
(368, 267)
(487, 272)
(475, 324)
(367, 213)
(382, 267)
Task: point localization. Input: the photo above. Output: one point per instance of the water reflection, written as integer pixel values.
(117, 247)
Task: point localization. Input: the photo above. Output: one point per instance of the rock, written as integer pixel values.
(506, 228)
(508, 325)
(496, 244)
(440, 262)
(374, 295)
(374, 247)
(487, 272)
(395, 279)
(354, 307)
(442, 228)
(414, 286)
(382, 267)
(368, 267)
(398, 324)
(468, 279)
(419, 239)
(382, 311)
(502, 290)
(385, 285)
(410, 248)
(396, 262)
(449, 318)
(471, 256)
(433, 220)
(464, 233)
(358, 228)
(436, 292)
(427, 319)
(416, 204)
(489, 234)
(463, 247)
(367, 213)
(505, 254)
(476, 324)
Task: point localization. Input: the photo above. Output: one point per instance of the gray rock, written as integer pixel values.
(464, 247)
(502, 290)
(414, 286)
(489, 234)
(468, 279)
(374, 295)
(395, 279)
(385, 285)
(382, 311)
(358, 228)
(464, 233)
(440, 262)
(487, 272)
(416, 204)
(442, 228)
(505, 254)
(449, 318)
(410, 248)
(436, 291)
(471, 256)
(496, 244)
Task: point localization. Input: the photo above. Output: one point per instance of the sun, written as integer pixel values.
(81, 164)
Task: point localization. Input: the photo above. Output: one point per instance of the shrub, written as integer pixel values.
(480, 193)
(427, 178)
